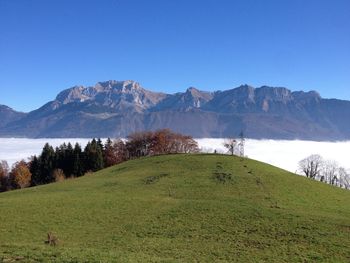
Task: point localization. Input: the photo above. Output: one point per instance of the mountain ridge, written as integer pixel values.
(8, 114)
(116, 108)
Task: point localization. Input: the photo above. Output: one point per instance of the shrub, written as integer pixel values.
(58, 174)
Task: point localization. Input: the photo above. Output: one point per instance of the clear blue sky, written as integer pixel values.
(169, 45)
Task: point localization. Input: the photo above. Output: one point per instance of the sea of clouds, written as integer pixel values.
(280, 153)
(286, 154)
(16, 149)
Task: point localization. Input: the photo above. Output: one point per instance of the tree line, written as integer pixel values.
(66, 161)
(327, 171)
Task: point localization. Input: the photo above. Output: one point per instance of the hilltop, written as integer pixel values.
(117, 108)
(179, 208)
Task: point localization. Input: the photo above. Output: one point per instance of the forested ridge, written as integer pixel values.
(68, 161)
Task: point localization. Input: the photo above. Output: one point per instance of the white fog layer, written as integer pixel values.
(16, 149)
(283, 154)
(286, 154)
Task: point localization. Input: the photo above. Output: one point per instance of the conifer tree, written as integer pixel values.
(34, 168)
(100, 144)
(108, 153)
(60, 156)
(47, 164)
(99, 164)
(69, 161)
(78, 161)
(94, 156)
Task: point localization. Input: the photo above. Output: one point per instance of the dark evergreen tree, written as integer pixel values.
(93, 156)
(87, 156)
(60, 155)
(99, 163)
(69, 161)
(100, 144)
(34, 167)
(78, 161)
(47, 164)
(108, 153)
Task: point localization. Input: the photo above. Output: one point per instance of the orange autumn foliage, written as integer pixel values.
(20, 175)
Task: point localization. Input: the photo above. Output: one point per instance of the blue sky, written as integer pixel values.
(169, 45)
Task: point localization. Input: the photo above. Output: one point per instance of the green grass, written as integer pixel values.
(179, 208)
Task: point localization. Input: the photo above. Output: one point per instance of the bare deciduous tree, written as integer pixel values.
(312, 166)
(241, 144)
(327, 171)
(344, 178)
(231, 145)
(330, 172)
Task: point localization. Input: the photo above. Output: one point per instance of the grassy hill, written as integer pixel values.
(179, 208)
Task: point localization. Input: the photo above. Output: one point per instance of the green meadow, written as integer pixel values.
(178, 208)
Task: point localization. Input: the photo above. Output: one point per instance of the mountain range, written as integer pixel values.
(118, 108)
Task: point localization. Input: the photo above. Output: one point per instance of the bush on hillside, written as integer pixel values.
(59, 176)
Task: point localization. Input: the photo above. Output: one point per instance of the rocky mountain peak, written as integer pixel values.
(112, 94)
(119, 86)
(196, 93)
(192, 90)
(273, 93)
(307, 96)
(192, 98)
(243, 92)
(76, 93)
(82, 93)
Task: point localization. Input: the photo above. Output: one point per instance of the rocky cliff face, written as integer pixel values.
(246, 99)
(117, 95)
(117, 108)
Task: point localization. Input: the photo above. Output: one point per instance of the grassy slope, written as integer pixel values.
(261, 214)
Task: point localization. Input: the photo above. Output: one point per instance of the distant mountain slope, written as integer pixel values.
(117, 108)
(177, 208)
(8, 115)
